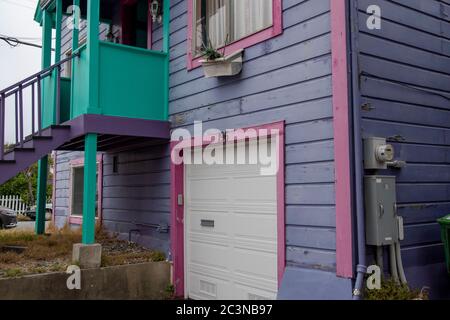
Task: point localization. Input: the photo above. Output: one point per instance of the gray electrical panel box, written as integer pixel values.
(381, 216)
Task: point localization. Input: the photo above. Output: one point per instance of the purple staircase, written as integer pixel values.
(24, 140)
(20, 114)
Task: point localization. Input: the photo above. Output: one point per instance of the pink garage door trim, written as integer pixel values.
(177, 211)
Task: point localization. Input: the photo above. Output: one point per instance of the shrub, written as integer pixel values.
(391, 290)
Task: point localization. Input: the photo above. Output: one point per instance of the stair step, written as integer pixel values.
(7, 161)
(11, 155)
(19, 149)
(42, 138)
(59, 126)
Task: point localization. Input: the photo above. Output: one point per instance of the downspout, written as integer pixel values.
(361, 267)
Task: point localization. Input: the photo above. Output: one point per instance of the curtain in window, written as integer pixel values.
(216, 12)
(250, 16)
(226, 21)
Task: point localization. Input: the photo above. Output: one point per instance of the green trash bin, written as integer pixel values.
(445, 234)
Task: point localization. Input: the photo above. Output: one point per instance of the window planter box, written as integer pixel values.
(229, 65)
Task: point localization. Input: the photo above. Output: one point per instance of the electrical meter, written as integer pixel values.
(377, 153)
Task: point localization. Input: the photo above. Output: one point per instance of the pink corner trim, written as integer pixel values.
(273, 31)
(177, 211)
(344, 256)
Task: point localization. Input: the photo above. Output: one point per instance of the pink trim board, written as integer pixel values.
(344, 251)
(177, 211)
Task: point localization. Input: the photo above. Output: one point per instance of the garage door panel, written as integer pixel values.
(261, 188)
(206, 287)
(245, 227)
(255, 263)
(208, 190)
(220, 219)
(236, 257)
(211, 255)
(244, 292)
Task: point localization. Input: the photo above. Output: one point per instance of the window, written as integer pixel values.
(231, 24)
(76, 190)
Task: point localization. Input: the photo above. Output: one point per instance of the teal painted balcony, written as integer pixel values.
(114, 75)
(131, 82)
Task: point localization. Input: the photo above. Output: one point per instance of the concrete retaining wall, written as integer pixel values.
(138, 281)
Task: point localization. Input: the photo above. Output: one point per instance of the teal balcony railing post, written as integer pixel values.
(166, 49)
(93, 52)
(57, 71)
(43, 163)
(75, 41)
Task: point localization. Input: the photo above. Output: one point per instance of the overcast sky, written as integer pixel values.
(16, 63)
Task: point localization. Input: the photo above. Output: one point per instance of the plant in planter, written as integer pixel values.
(216, 64)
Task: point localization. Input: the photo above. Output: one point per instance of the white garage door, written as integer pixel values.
(230, 232)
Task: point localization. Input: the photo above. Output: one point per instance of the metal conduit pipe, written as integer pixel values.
(401, 271)
(393, 262)
(379, 257)
(361, 268)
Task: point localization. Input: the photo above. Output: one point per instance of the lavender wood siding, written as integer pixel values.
(137, 197)
(285, 78)
(405, 96)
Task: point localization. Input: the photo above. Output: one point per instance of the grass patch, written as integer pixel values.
(391, 290)
(53, 252)
(12, 273)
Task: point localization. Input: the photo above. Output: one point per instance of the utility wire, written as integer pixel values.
(14, 42)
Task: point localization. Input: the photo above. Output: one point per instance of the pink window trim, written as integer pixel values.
(79, 162)
(177, 211)
(273, 31)
(344, 250)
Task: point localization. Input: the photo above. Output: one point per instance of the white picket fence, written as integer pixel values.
(13, 203)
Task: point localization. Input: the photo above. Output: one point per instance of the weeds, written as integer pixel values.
(391, 290)
(53, 252)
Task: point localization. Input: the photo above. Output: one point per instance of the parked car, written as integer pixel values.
(8, 218)
(31, 213)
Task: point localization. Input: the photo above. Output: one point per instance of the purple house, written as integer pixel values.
(347, 101)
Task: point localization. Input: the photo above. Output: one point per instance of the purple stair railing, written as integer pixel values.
(15, 93)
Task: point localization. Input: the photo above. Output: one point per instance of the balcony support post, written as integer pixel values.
(43, 163)
(41, 195)
(93, 51)
(90, 188)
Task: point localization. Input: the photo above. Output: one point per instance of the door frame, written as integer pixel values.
(177, 238)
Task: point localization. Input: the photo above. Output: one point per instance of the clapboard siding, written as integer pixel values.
(405, 96)
(284, 78)
(137, 197)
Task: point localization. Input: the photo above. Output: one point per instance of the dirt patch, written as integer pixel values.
(53, 252)
(23, 218)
